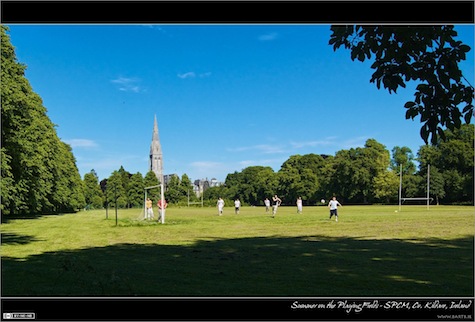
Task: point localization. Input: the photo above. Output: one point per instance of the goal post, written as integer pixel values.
(196, 202)
(402, 199)
(162, 198)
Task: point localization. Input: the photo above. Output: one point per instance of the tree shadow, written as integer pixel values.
(14, 239)
(7, 218)
(263, 266)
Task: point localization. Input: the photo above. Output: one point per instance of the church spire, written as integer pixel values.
(156, 157)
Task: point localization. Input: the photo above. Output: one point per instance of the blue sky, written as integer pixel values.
(226, 96)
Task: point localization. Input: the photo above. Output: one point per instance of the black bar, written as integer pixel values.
(237, 12)
(239, 309)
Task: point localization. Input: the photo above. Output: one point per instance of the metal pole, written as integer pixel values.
(428, 185)
(162, 197)
(107, 204)
(400, 186)
(145, 204)
(115, 197)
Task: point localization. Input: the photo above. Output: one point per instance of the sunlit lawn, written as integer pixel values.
(371, 251)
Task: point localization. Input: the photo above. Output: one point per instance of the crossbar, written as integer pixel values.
(417, 198)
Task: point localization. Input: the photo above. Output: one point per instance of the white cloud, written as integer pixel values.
(268, 37)
(325, 142)
(337, 143)
(208, 169)
(81, 143)
(193, 75)
(127, 84)
(205, 164)
(187, 75)
(262, 148)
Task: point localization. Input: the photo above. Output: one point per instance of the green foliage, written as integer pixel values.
(213, 193)
(351, 173)
(361, 175)
(403, 156)
(92, 190)
(173, 192)
(135, 191)
(451, 165)
(300, 176)
(252, 185)
(116, 193)
(151, 180)
(39, 172)
(428, 54)
(386, 186)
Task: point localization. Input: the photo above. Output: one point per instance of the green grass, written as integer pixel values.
(371, 251)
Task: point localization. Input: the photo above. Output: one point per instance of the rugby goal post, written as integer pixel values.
(162, 197)
(196, 202)
(428, 199)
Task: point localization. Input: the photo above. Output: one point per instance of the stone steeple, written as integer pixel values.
(156, 157)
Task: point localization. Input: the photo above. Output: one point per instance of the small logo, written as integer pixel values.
(19, 316)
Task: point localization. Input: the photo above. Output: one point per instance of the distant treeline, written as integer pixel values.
(363, 175)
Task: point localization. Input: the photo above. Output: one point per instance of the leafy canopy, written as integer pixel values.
(428, 54)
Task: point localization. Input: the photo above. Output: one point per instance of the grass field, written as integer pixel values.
(371, 251)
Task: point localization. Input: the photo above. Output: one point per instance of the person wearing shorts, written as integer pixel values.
(220, 205)
(333, 205)
(276, 201)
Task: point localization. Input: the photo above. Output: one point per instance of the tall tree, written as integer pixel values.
(186, 187)
(116, 194)
(299, 177)
(173, 193)
(351, 173)
(402, 156)
(135, 192)
(68, 191)
(428, 54)
(39, 169)
(151, 180)
(454, 160)
(386, 186)
(251, 184)
(92, 190)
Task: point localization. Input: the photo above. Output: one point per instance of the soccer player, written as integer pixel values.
(237, 206)
(333, 205)
(267, 203)
(161, 208)
(276, 201)
(148, 205)
(299, 205)
(220, 205)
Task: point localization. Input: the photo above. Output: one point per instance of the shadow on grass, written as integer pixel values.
(267, 266)
(7, 218)
(14, 239)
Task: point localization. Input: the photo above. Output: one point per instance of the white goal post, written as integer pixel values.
(197, 202)
(403, 199)
(162, 197)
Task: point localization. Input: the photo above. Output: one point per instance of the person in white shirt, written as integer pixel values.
(237, 206)
(276, 201)
(333, 205)
(220, 205)
(299, 205)
(267, 203)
